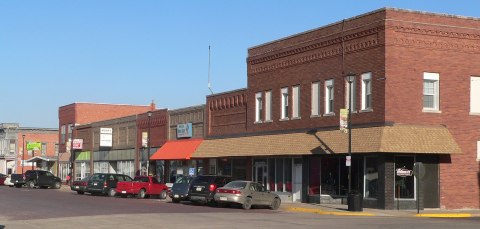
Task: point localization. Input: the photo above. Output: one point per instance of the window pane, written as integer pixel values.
(271, 174)
(371, 177)
(404, 186)
(288, 174)
(239, 169)
(279, 174)
(314, 176)
(330, 177)
(428, 101)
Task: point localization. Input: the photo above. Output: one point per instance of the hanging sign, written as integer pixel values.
(344, 120)
(403, 172)
(77, 144)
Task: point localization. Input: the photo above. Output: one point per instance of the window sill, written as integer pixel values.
(268, 121)
(366, 110)
(296, 118)
(315, 116)
(284, 119)
(258, 122)
(432, 111)
(474, 113)
(329, 114)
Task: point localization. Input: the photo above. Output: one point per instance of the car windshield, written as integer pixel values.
(183, 180)
(98, 177)
(141, 179)
(236, 185)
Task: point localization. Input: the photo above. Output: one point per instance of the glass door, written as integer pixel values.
(260, 172)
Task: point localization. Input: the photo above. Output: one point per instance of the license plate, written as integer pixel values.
(95, 183)
(176, 196)
(223, 198)
(77, 187)
(199, 189)
(124, 192)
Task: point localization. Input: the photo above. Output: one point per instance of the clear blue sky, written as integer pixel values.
(53, 53)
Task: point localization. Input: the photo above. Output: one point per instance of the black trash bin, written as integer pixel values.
(355, 202)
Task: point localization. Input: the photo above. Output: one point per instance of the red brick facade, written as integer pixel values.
(46, 136)
(397, 47)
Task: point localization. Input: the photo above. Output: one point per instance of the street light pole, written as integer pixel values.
(350, 79)
(148, 142)
(23, 151)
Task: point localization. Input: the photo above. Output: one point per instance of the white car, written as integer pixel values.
(8, 181)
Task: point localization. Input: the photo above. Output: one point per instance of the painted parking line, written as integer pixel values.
(445, 215)
(318, 211)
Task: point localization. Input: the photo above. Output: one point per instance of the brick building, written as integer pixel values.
(25, 148)
(414, 98)
(83, 113)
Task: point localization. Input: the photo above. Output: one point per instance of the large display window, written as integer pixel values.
(371, 177)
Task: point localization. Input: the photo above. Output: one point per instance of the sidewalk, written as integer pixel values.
(342, 210)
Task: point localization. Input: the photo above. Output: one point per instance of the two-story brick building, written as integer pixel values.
(414, 98)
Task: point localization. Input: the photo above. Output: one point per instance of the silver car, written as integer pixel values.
(247, 194)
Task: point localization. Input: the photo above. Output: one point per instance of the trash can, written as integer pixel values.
(355, 202)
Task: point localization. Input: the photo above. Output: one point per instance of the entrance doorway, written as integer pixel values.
(297, 182)
(260, 172)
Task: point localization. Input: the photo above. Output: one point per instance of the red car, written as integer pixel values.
(141, 187)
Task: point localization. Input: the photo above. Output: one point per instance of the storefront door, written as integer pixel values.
(297, 183)
(260, 172)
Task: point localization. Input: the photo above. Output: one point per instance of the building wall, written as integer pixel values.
(448, 45)
(194, 115)
(226, 113)
(44, 135)
(158, 128)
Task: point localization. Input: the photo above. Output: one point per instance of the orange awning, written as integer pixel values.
(177, 149)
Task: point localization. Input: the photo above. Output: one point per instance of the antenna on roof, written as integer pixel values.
(209, 86)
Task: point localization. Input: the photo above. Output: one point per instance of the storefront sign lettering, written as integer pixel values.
(402, 172)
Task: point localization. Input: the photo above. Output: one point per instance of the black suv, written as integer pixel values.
(37, 178)
(203, 188)
(105, 183)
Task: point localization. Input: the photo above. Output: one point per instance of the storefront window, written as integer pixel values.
(279, 175)
(239, 169)
(314, 183)
(330, 176)
(212, 166)
(404, 186)
(288, 174)
(200, 165)
(224, 167)
(371, 177)
(271, 174)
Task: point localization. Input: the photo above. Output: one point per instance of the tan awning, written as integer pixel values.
(384, 139)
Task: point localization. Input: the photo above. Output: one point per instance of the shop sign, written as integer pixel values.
(184, 130)
(403, 172)
(106, 137)
(191, 171)
(77, 144)
(34, 145)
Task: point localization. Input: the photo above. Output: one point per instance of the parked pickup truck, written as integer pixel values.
(36, 178)
(141, 187)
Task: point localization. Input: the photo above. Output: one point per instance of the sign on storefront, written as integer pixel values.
(348, 161)
(77, 144)
(34, 145)
(191, 171)
(106, 137)
(184, 130)
(403, 172)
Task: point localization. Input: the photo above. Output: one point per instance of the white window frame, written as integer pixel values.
(435, 78)
(258, 107)
(268, 106)
(354, 95)
(315, 108)
(284, 103)
(296, 102)
(367, 91)
(329, 96)
(475, 95)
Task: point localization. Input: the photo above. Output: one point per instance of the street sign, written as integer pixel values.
(191, 171)
(348, 161)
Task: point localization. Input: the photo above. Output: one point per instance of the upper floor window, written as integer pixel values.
(70, 131)
(431, 95)
(329, 96)
(284, 106)
(258, 106)
(268, 106)
(296, 101)
(350, 87)
(44, 148)
(315, 98)
(62, 133)
(367, 91)
(475, 94)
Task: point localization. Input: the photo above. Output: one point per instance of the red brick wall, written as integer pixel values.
(158, 128)
(50, 137)
(226, 113)
(429, 45)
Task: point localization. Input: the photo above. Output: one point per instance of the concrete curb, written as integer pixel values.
(321, 212)
(445, 215)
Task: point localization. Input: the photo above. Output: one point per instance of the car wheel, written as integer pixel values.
(80, 192)
(18, 186)
(163, 195)
(174, 200)
(111, 192)
(57, 185)
(141, 194)
(275, 204)
(247, 204)
(30, 184)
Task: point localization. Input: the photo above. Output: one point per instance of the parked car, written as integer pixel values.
(141, 187)
(2, 178)
(247, 194)
(79, 186)
(105, 183)
(179, 190)
(36, 178)
(202, 189)
(8, 181)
